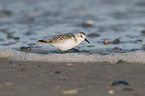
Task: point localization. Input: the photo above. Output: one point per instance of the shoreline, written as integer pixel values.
(131, 57)
(81, 79)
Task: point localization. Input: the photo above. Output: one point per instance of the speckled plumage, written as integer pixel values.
(60, 38)
(65, 41)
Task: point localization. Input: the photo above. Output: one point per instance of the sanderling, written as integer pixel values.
(65, 41)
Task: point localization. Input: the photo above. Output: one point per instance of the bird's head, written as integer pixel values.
(82, 36)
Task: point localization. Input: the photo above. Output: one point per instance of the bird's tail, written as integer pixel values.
(42, 42)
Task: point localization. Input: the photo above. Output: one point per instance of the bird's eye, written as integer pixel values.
(81, 36)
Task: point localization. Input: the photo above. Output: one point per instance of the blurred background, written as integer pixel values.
(110, 25)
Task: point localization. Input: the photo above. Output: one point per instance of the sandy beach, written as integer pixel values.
(115, 28)
(19, 78)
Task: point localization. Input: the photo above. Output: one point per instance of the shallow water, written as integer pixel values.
(23, 22)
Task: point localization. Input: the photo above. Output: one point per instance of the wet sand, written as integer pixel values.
(19, 78)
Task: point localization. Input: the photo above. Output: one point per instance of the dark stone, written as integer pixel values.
(117, 48)
(20, 64)
(57, 72)
(143, 32)
(118, 82)
(116, 41)
(16, 38)
(6, 12)
(64, 79)
(120, 61)
(25, 48)
(39, 65)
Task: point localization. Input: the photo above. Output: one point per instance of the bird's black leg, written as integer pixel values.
(66, 51)
(63, 52)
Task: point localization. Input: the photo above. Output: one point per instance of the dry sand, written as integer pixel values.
(80, 79)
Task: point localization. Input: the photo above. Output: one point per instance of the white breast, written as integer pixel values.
(66, 44)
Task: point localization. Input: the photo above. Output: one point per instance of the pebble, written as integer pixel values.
(23, 70)
(57, 72)
(16, 38)
(8, 84)
(88, 23)
(116, 41)
(143, 32)
(118, 82)
(106, 42)
(69, 64)
(6, 12)
(39, 66)
(25, 48)
(120, 61)
(13, 65)
(111, 91)
(70, 92)
(117, 48)
(64, 79)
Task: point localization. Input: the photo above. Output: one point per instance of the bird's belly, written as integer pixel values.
(65, 45)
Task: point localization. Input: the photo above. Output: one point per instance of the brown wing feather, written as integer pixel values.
(58, 38)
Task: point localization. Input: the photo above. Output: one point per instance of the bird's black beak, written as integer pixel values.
(87, 40)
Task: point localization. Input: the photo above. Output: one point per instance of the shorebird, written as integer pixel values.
(65, 41)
